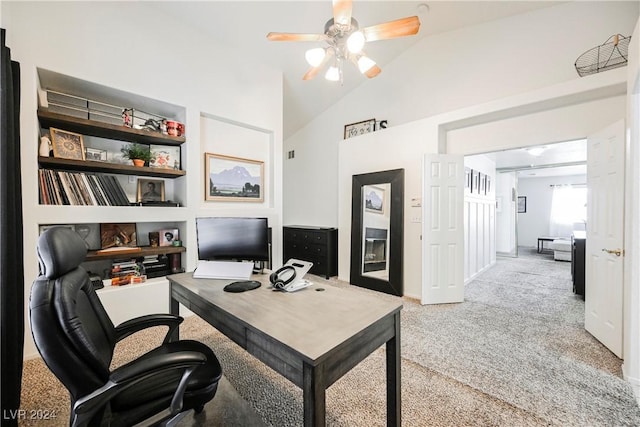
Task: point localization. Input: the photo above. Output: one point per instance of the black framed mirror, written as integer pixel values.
(377, 218)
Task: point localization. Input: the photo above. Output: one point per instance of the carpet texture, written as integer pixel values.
(515, 353)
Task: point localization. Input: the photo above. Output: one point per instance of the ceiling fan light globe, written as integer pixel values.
(365, 64)
(333, 74)
(315, 56)
(355, 42)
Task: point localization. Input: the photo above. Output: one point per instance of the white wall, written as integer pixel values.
(415, 86)
(506, 183)
(442, 73)
(538, 191)
(631, 366)
(124, 45)
(479, 220)
(394, 149)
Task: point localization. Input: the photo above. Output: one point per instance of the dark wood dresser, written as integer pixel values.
(318, 245)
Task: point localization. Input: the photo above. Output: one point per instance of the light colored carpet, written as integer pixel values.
(515, 353)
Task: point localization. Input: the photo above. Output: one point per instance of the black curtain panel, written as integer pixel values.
(11, 245)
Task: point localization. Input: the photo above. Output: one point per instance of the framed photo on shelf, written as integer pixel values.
(95, 154)
(165, 157)
(522, 204)
(233, 179)
(167, 237)
(112, 235)
(150, 190)
(67, 145)
(373, 199)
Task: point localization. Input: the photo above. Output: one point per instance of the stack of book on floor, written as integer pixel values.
(156, 265)
(80, 188)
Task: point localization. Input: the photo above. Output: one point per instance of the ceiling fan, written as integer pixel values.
(345, 41)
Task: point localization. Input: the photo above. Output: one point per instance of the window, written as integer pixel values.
(568, 208)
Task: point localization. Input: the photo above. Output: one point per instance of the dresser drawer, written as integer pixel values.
(320, 266)
(313, 244)
(306, 236)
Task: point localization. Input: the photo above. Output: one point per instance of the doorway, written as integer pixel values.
(526, 180)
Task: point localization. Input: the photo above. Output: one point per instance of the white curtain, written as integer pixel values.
(568, 208)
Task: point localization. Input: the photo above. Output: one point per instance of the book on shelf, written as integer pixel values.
(80, 188)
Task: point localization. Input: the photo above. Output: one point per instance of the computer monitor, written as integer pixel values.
(227, 238)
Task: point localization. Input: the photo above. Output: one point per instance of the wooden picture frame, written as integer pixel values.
(116, 235)
(244, 184)
(67, 145)
(150, 190)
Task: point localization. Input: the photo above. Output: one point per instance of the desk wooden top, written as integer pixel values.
(308, 321)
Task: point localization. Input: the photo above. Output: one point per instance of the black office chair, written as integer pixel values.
(76, 339)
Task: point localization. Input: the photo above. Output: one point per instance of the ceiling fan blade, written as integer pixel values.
(313, 71)
(295, 37)
(342, 12)
(392, 29)
(373, 71)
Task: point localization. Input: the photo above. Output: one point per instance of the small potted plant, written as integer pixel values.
(138, 153)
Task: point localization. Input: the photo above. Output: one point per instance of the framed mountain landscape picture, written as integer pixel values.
(232, 179)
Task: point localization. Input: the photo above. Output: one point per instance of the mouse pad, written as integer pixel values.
(242, 286)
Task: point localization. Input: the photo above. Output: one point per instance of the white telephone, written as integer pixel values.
(290, 277)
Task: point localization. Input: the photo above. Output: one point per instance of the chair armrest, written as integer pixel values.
(132, 326)
(131, 374)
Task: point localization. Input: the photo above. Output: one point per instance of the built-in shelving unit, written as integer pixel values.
(110, 138)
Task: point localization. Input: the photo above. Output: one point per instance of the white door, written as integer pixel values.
(442, 229)
(605, 220)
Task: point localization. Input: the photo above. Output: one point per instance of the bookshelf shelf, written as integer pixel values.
(103, 167)
(105, 130)
(145, 251)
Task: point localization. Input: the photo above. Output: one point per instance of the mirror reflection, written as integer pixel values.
(376, 222)
(377, 231)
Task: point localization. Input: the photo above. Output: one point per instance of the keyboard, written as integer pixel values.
(223, 270)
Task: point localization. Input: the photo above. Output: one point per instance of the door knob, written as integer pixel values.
(616, 252)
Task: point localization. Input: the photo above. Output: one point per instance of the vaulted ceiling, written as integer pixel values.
(243, 25)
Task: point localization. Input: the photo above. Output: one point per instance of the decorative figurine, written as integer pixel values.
(126, 117)
(163, 126)
(45, 146)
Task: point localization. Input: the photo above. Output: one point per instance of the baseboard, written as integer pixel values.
(634, 382)
(482, 270)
